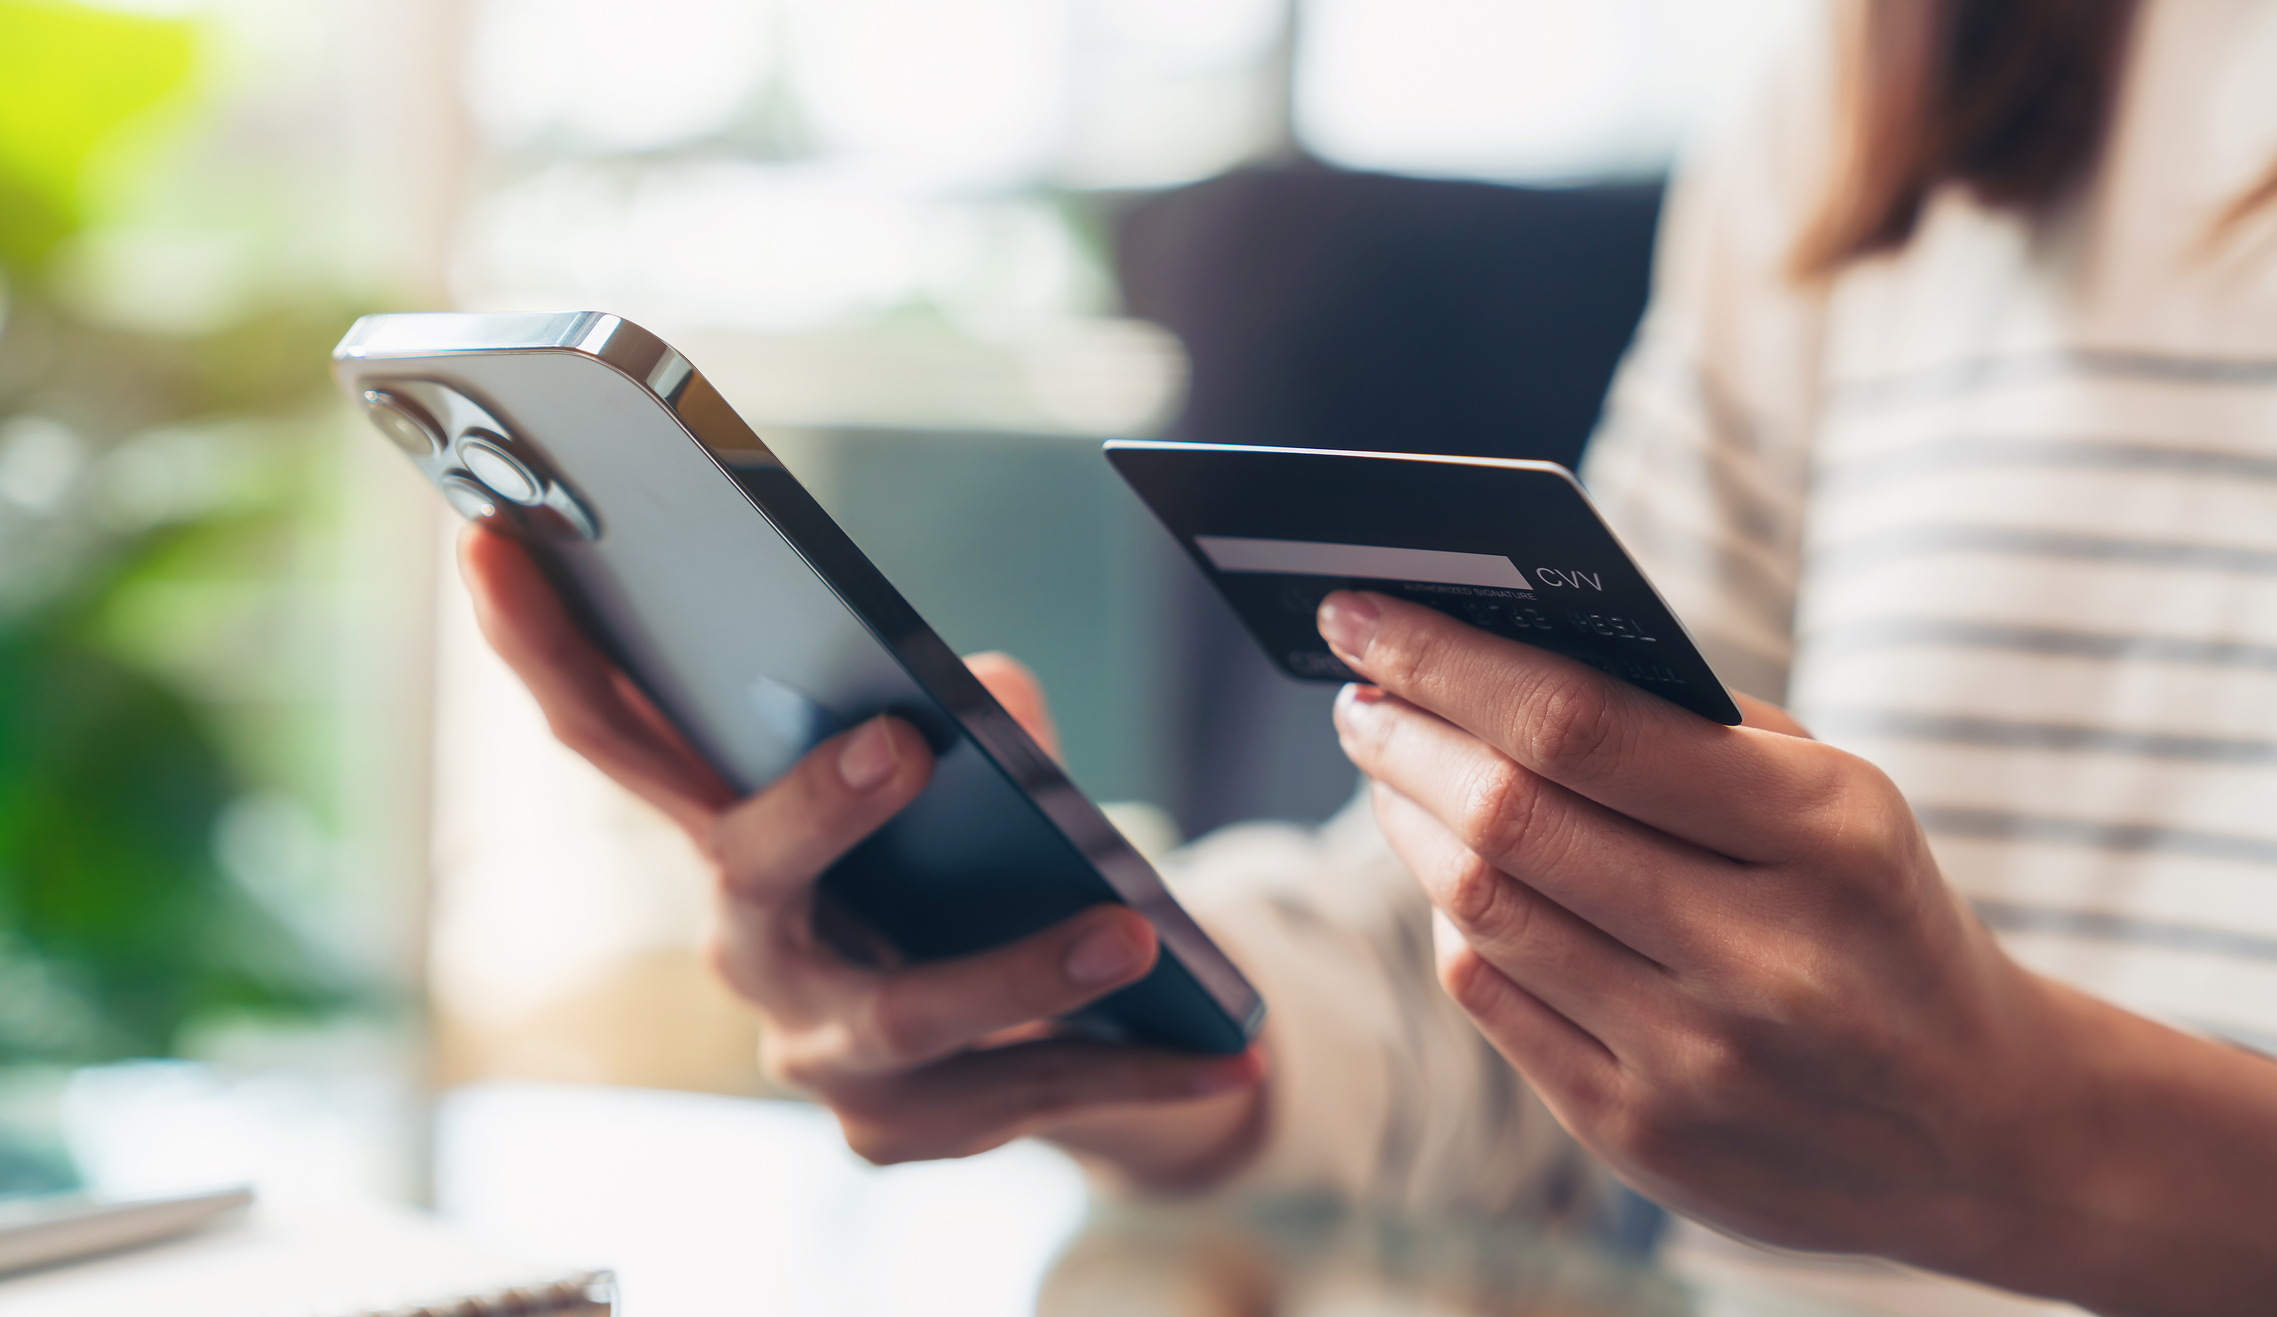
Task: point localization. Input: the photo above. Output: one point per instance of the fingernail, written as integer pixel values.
(1348, 622)
(1102, 957)
(867, 759)
(1354, 709)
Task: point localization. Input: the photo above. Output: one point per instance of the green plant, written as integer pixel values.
(137, 465)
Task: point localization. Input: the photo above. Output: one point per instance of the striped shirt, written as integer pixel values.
(1997, 512)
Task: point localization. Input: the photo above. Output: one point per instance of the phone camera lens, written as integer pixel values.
(473, 501)
(405, 423)
(506, 474)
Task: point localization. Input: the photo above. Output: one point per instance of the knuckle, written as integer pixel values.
(884, 1150)
(1825, 807)
(1401, 656)
(786, 1064)
(716, 844)
(726, 963)
(1662, 1118)
(577, 729)
(1646, 1130)
(1698, 1085)
(1709, 1073)
(1045, 1084)
(1468, 892)
(895, 1027)
(1470, 982)
(717, 850)
(1896, 846)
(1850, 811)
(1056, 1083)
(1790, 997)
(1568, 726)
(1592, 1098)
(1813, 1012)
(1863, 842)
(880, 1143)
(1498, 806)
(1483, 898)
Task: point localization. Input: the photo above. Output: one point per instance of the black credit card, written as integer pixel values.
(1513, 548)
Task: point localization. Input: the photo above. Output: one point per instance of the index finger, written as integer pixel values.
(590, 705)
(1734, 790)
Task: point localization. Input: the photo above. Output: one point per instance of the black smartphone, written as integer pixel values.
(1511, 547)
(694, 559)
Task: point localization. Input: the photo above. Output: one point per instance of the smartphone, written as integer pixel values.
(694, 559)
(1511, 547)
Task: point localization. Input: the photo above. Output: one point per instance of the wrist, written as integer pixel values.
(2011, 1129)
(2045, 1162)
(2128, 1173)
(1169, 1148)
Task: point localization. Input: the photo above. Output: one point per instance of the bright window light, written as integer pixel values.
(1524, 90)
(1171, 90)
(972, 93)
(1196, 33)
(606, 76)
(775, 248)
(791, 164)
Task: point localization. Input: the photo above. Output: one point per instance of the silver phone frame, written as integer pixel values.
(708, 421)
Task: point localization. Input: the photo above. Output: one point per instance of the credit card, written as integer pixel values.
(1513, 548)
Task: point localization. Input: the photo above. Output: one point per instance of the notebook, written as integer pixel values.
(229, 1258)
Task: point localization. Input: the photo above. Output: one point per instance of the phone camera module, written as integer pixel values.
(405, 423)
(507, 475)
(473, 501)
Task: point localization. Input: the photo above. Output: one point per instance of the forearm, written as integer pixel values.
(2152, 1188)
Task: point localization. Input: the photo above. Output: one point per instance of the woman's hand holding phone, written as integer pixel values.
(1727, 960)
(943, 1059)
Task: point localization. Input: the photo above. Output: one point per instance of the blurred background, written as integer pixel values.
(284, 855)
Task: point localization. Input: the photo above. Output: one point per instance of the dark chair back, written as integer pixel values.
(1324, 309)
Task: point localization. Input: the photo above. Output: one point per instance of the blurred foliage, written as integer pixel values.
(157, 493)
(69, 78)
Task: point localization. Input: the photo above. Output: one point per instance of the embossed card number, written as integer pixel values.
(1511, 547)
(1540, 605)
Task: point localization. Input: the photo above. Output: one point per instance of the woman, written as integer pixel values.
(1951, 427)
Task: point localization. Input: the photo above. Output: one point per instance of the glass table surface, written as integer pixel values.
(716, 1206)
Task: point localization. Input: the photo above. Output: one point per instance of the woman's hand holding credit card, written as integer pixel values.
(1727, 960)
(1721, 951)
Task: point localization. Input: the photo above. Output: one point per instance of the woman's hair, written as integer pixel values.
(2010, 99)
